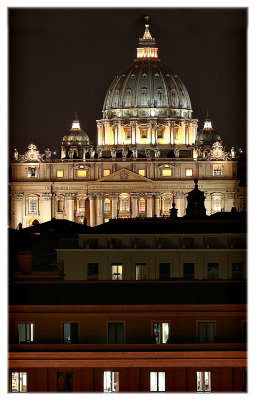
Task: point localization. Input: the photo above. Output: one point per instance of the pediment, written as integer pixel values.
(124, 175)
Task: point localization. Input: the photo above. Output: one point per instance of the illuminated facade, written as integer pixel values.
(147, 155)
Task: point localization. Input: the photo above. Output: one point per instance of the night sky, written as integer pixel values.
(62, 60)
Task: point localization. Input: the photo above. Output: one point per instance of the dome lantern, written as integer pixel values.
(147, 45)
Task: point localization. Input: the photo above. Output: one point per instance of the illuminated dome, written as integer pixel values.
(76, 136)
(207, 136)
(147, 84)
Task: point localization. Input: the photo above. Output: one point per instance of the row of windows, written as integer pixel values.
(83, 173)
(116, 333)
(164, 271)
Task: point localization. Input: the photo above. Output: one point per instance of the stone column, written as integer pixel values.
(92, 209)
(157, 204)
(18, 207)
(114, 197)
(46, 214)
(99, 208)
(134, 199)
(186, 132)
(70, 197)
(149, 197)
(172, 132)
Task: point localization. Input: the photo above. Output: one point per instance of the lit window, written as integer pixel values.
(140, 272)
(127, 133)
(216, 203)
(176, 134)
(111, 381)
(166, 172)
(26, 333)
(144, 133)
(204, 381)
(141, 172)
(217, 171)
(189, 172)
(237, 271)
(70, 333)
(32, 173)
(60, 174)
(115, 333)
(167, 204)
(142, 205)
(160, 332)
(160, 133)
(60, 206)
(32, 206)
(19, 382)
(116, 272)
(124, 204)
(82, 173)
(206, 332)
(213, 271)
(107, 172)
(107, 205)
(157, 382)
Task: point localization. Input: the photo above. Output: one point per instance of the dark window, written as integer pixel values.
(213, 271)
(164, 271)
(140, 272)
(188, 271)
(206, 332)
(64, 382)
(92, 273)
(160, 332)
(115, 333)
(70, 333)
(237, 271)
(188, 243)
(245, 330)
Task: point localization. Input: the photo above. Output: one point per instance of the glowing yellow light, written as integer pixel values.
(76, 125)
(82, 173)
(141, 172)
(60, 174)
(188, 171)
(208, 124)
(167, 172)
(147, 52)
(107, 172)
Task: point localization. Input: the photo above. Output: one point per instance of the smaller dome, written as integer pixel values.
(207, 136)
(76, 136)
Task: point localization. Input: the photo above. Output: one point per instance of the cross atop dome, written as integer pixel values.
(147, 44)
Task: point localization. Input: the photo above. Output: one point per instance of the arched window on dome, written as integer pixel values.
(107, 206)
(144, 97)
(160, 96)
(128, 98)
(142, 205)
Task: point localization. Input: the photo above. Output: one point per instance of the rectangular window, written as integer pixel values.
(160, 133)
(26, 333)
(160, 332)
(144, 133)
(188, 243)
(217, 171)
(166, 172)
(164, 271)
(188, 172)
(127, 133)
(237, 271)
(107, 172)
(107, 206)
(188, 271)
(19, 382)
(111, 382)
(32, 206)
(60, 206)
(32, 173)
(117, 272)
(140, 272)
(204, 381)
(92, 272)
(81, 173)
(70, 333)
(216, 203)
(141, 172)
(206, 332)
(213, 271)
(115, 333)
(157, 382)
(60, 174)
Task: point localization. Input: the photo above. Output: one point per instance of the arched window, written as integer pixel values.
(82, 205)
(216, 204)
(107, 205)
(167, 204)
(142, 205)
(124, 204)
(32, 206)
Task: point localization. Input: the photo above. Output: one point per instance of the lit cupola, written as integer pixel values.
(147, 45)
(75, 143)
(207, 136)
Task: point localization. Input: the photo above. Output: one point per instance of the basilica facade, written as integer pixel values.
(147, 156)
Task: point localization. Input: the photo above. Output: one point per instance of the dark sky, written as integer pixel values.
(62, 60)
